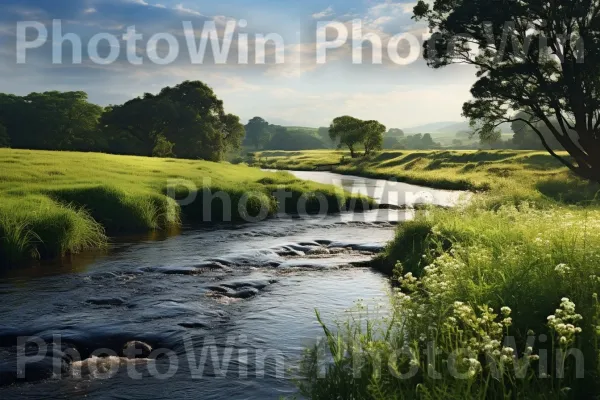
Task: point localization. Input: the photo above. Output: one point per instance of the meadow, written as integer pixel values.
(507, 174)
(494, 299)
(58, 203)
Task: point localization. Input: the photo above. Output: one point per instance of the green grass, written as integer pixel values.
(55, 203)
(456, 270)
(521, 175)
(528, 243)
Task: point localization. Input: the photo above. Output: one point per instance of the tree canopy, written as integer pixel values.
(258, 132)
(354, 133)
(286, 139)
(51, 121)
(4, 138)
(535, 57)
(189, 115)
(187, 120)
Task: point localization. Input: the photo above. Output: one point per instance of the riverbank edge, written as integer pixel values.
(364, 173)
(66, 207)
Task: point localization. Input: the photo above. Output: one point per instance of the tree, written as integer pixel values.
(258, 132)
(286, 140)
(189, 115)
(347, 131)
(373, 136)
(4, 139)
(420, 142)
(395, 133)
(163, 148)
(353, 132)
(392, 139)
(533, 63)
(51, 121)
(390, 142)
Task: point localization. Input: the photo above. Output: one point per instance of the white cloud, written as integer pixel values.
(90, 10)
(323, 14)
(181, 8)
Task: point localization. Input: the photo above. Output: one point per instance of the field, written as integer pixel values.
(56, 203)
(522, 175)
(494, 299)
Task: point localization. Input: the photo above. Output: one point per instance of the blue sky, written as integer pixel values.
(297, 92)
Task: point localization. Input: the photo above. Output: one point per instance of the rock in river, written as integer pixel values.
(136, 349)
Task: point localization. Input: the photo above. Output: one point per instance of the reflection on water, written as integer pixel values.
(386, 191)
(257, 283)
(77, 263)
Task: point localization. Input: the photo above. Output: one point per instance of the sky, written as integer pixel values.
(289, 88)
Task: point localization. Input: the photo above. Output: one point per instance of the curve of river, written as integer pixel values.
(232, 306)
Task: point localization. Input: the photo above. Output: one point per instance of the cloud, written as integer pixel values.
(181, 8)
(300, 91)
(323, 14)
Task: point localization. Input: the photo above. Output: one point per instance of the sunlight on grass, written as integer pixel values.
(55, 203)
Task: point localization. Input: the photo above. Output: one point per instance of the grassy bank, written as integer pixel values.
(520, 175)
(505, 289)
(55, 203)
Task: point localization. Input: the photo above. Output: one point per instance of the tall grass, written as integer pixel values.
(503, 294)
(37, 227)
(497, 299)
(55, 203)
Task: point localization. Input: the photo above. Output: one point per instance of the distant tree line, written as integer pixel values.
(260, 134)
(186, 121)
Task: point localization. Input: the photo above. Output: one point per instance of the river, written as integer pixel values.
(233, 307)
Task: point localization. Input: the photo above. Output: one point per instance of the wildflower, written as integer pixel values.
(563, 340)
(509, 351)
(562, 269)
(506, 311)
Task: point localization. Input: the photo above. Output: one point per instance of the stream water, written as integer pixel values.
(231, 307)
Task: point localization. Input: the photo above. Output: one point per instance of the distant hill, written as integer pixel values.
(431, 127)
(449, 127)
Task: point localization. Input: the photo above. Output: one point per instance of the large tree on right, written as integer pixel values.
(537, 61)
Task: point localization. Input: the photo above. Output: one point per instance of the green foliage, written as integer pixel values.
(352, 132)
(395, 133)
(163, 148)
(188, 115)
(187, 120)
(57, 203)
(35, 226)
(373, 136)
(258, 132)
(522, 175)
(481, 285)
(286, 139)
(51, 120)
(419, 142)
(323, 133)
(4, 138)
(536, 68)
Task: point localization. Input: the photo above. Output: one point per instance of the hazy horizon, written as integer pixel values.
(299, 92)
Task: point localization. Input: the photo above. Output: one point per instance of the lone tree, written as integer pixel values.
(373, 136)
(347, 131)
(258, 132)
(353, 133)
(536, 57)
